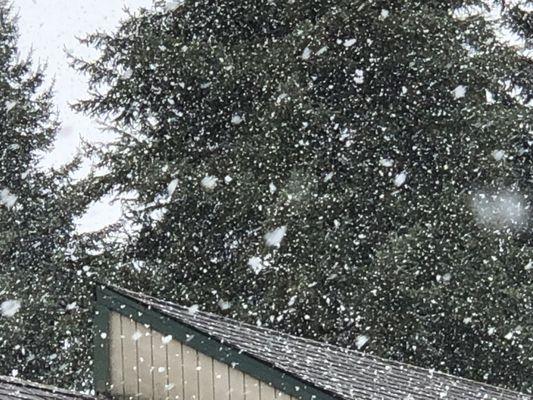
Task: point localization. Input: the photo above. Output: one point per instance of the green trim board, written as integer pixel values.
(101, 367)
(112, 301)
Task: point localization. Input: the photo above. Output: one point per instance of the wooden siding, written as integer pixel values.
(147, 365)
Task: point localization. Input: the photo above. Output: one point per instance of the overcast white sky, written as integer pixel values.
(47, 28)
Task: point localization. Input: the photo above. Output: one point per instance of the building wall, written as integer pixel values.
(146, 365)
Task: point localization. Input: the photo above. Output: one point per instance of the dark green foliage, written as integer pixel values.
(453, 293)
(309, 113)
(44, 341)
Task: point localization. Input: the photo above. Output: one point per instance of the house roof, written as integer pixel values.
(336, 372)
(13, 388)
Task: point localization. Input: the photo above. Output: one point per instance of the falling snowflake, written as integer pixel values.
(224, 305)
(10, 105)
(500, 210)
(209, 182)
(166, 339)
(322, 51)
(459, 92)
(498, 155)
(292, 300)
(384, 14)
(306, 54)
(386, 162)
(361, 340)
(256, 264)
(193, 309)
(136, 336)
(399, 179)
(172, 187)
(9, 308)
(349, 42)
(236, 119)
(274, 238)
(446, 278)
(489, 97)
(359, 76)
(7, 198)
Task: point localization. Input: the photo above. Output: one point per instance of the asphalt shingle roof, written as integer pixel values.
(344, 373)
(12, 388)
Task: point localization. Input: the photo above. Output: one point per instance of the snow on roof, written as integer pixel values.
(344, 373)
(13, 388)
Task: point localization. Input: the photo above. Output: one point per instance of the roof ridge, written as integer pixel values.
(49, 388)
(344, 350)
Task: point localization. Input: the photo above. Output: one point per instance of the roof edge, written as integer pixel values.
(44, 387)
(112, 300)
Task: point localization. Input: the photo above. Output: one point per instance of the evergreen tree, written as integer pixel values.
(451, 295)
(283, 160)
(44, 303)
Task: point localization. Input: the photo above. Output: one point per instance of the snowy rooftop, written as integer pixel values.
(343, 373)
(12, 388)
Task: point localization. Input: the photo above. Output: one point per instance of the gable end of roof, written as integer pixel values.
(108, 300)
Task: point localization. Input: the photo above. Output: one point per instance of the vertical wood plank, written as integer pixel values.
(251, 388)
(159, 363)
(190, 373)
(221, 380)
(205, 377)
(129, 346)
(116, 365)
(146, 370)
(175, 370)
(267, 392)
(236, 384)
